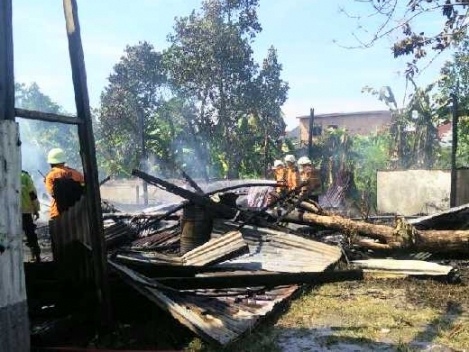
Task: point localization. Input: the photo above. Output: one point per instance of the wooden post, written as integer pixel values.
(310, 133)
(144, 158)
(266, 155)
(454, 149)
(14, 324)
(87, 143)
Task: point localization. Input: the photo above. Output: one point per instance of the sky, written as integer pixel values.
(311, 38)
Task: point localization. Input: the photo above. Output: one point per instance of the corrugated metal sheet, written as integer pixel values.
(214, 251)
(281, 252)
(222, 315)
(68, 233)
(219, 316)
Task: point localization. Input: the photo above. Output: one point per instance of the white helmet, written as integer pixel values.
(278, 163)
(290, 158)
(304, 160)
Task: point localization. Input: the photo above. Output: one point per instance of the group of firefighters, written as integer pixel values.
(30, 205)
(301, 175)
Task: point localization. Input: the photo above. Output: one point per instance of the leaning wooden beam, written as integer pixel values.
(184, 193)
(258, 279)
(46, 116)
(403, 236)
(88, 156)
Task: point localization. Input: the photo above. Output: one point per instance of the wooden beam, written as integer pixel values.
(310, 133)
(88, 155)
(47, 116)
(7, 81)
(258, 279)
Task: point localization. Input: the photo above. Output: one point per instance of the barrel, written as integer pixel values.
(197, 225)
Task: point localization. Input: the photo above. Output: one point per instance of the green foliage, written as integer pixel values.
(414, 141)
(131, 126)
(369, 154)
(454, 80)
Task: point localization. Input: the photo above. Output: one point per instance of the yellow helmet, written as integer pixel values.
(56, 156)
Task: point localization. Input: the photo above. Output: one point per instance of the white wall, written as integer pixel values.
(413, 192)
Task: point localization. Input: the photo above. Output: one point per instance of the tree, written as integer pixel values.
(210, 62)
(413, 130)
(406, 17)
(454, 80)
(129, 108)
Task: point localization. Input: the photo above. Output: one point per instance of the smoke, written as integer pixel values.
(33, 160)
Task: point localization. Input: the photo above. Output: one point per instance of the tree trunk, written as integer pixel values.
(402, 236)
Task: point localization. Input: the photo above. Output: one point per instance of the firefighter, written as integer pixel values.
(65, 185)
(292, 174)
(310, 175)
(280, 176)
(29, 207)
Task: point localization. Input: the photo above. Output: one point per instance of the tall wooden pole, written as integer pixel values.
(310, 133)
(88, 155)
(14, 324)
(266, 154)
(143, 146)
(454, 149)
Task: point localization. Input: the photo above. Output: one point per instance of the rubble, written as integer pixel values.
(254, 261)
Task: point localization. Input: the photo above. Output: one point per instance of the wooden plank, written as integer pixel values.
(217, 250)
(46, 116)
(405, 267)
(268, 279)
(88, 155)
(7, 80)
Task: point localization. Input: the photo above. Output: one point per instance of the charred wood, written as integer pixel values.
(259, 279)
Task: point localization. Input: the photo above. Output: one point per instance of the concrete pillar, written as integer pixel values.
(14, 324)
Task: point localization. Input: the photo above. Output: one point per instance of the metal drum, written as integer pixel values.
(197, 225)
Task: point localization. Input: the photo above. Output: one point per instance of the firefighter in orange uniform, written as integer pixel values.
(280, 176)
(310, 175)
(64, 184)
(292, 174)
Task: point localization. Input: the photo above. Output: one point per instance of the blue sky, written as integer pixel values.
(321, 73)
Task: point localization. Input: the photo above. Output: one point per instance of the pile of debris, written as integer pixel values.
(219, 268)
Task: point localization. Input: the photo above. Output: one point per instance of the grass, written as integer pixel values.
(393, 315)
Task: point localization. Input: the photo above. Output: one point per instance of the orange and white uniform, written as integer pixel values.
(310, 175)
(60, 172)
(292, 176)
(281, 178)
